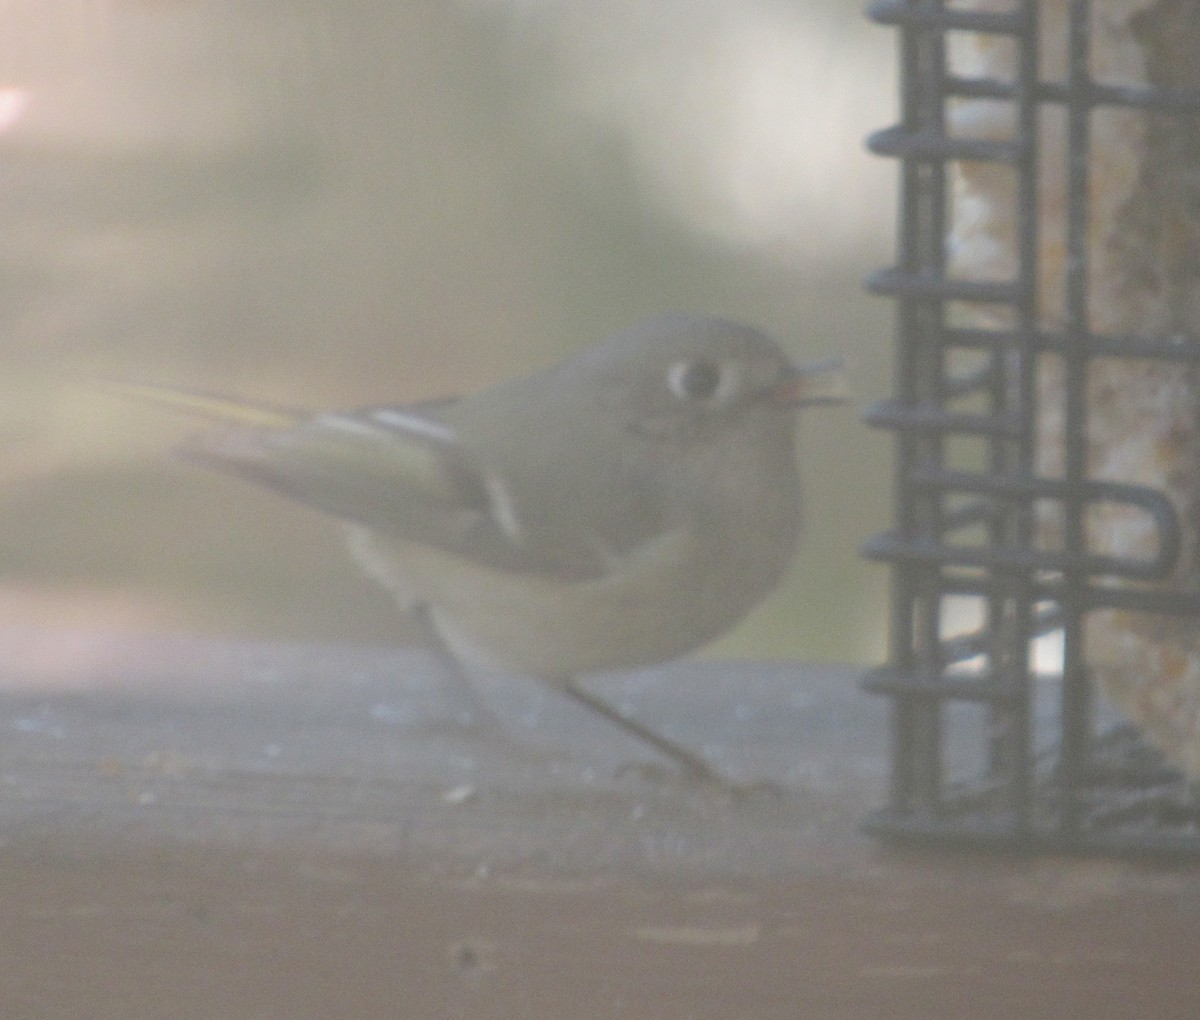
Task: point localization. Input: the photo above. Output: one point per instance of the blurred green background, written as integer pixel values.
(321, 203)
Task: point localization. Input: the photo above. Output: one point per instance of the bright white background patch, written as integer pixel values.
(744, 120)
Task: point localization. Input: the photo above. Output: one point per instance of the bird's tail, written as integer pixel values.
(207, 405)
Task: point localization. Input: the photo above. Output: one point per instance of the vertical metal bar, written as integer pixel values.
(1076, 697)
(916, 744)
(1005, 457)
(1019, 634)
(930, 368)
(1011, 608)
(902, 653)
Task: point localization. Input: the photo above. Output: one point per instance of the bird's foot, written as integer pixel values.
(703, 780)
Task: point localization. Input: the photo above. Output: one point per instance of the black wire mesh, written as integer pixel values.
(987, 748)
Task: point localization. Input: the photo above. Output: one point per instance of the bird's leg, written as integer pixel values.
(470, 712)
(472, 716)
(692, 765)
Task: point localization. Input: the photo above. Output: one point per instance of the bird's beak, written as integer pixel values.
(823, 382)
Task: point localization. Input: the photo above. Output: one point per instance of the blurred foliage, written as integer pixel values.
(319, 206)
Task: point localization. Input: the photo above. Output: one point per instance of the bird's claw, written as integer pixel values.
(705, 780)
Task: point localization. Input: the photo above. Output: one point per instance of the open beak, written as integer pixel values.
(823, 382)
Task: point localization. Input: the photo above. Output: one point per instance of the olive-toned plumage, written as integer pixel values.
(620, 508)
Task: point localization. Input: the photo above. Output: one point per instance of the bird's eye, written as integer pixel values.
(694, 380)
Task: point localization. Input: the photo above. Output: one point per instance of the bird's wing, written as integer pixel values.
(398, 470)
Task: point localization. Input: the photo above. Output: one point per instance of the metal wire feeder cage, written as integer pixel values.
(999, 738)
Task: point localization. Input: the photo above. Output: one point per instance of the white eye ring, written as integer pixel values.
(697, 380)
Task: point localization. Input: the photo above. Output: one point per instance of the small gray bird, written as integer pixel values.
(618, 509)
